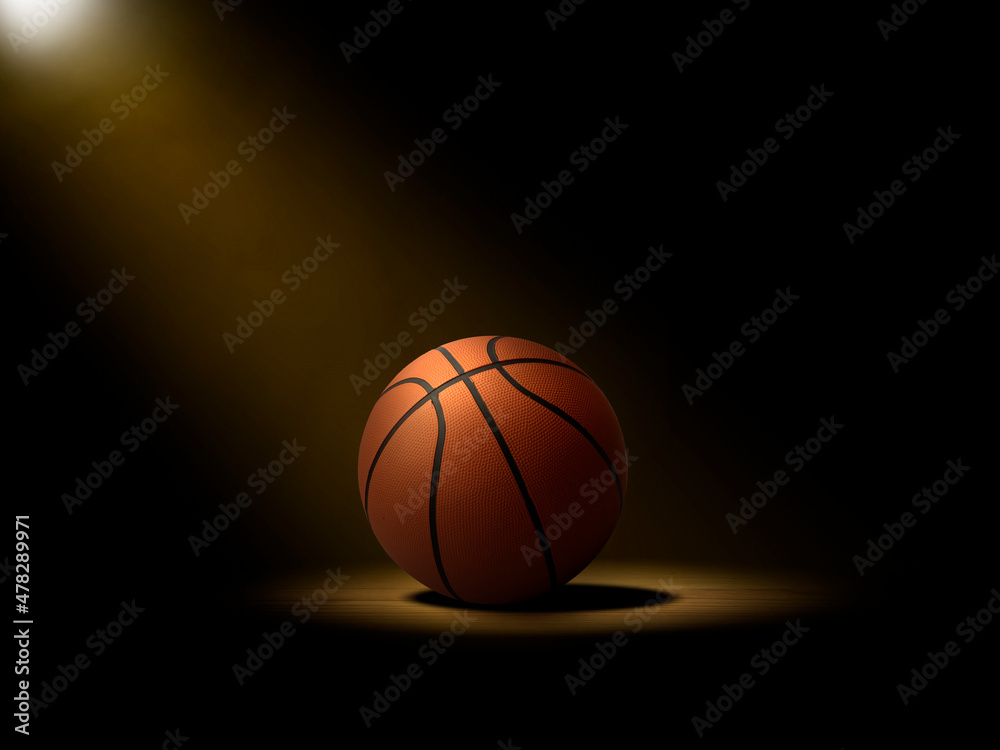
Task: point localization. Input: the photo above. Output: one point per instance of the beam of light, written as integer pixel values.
(119, 207)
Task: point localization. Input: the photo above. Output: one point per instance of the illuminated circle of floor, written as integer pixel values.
(603, 598)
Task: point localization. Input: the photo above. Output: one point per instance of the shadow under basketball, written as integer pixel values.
(573, 597)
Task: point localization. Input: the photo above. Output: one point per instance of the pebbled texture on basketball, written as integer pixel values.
(492, 469)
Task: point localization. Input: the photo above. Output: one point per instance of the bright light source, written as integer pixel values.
(32, 24)
(17, 12)
(20, 8)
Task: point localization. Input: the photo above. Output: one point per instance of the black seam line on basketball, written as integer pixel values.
(448, 384)
(432, 499)
(419, 381)
(490, 366)
(511, 464)
(491, 350)
(427, 387)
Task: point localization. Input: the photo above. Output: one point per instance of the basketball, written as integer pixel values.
(492, 469)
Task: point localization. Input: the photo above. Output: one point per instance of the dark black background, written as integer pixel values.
(655, 185)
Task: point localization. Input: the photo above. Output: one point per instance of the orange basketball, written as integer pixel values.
(492, 469)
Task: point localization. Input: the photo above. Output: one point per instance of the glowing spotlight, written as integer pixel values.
(18, 9)
(30, 16)
(30, 24)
